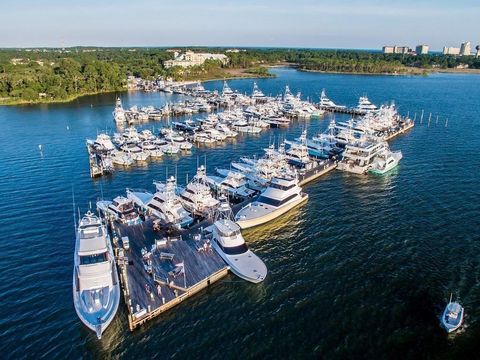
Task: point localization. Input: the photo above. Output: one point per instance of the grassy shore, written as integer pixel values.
(13, 101)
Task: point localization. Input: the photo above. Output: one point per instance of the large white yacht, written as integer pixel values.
(281, 195)
(228, 241)
(197, 197)
(102, 143)
(166, 205)
(119, 157)
(364, 105)
(96, 289)
(135, 151)
(358, 156)
(234, 184)
(385, 161)
(120, 209)
(119, 112)
(257, 94)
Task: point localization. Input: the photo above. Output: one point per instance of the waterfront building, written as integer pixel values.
(421, 49)
(396, 49)
(465, 49)
(189, 58)
(478, 51)
(451, 50)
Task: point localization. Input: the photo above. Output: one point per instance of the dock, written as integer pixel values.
(403, 129)
(316, 172)
(158, 273)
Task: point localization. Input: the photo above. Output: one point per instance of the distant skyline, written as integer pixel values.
(367, 24)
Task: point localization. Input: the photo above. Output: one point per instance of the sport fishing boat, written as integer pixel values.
(234, 184)
(385, 161)
(121, 209)
(364, 105)
(452, 317)
(358, 156)
(102, 143)
(119, 112)
(228, 241)
(119, 157)
(282, 194)
(96, 289)
(151, 149)
(166, 205)
(197, 197)
(257, 94)
(135, 151)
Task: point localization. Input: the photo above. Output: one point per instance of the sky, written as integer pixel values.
(366, 24)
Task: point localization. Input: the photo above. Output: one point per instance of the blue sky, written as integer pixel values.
(301, 23)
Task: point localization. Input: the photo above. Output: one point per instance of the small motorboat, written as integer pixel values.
(452, 317)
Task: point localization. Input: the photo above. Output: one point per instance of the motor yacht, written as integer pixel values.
(151, 149)
(228, 242)
(234, 184)
(102, 143)
(96, 289)
(385, 161)
(135, 151)
(364, 105)
(119, 112)
(358, 156)
(119, 157)
(197, 197)
(167, 206)
(121, 209)
(281, 195)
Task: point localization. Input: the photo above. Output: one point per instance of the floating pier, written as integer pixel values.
(406, 127)
(159, 273)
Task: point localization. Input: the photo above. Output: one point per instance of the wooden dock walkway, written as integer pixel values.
(403, 129)
(157, 275)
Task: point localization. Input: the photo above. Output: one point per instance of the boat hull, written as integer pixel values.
(245, 224)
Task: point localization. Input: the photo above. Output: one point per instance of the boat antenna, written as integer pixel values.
(176, 170)
(450, 297)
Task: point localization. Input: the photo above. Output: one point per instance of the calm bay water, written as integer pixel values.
(362, 270)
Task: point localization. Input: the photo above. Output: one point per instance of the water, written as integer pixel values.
(362, 270)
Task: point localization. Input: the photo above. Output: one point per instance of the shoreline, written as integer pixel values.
(242, 74)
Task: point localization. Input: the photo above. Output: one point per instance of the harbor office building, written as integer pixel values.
(189, 58)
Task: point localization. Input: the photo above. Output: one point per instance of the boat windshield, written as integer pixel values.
(275, 202)
(235, 250)
(282, 187)
(93, 259)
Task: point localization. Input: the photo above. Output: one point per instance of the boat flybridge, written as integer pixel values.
(452, 317)
(364, 105)
(257, 94)
(96, 289)
(119, 112)
(197, 197)
(166, 205)
(359, 155)
(228, 241)
(280, 196)
(121, 209)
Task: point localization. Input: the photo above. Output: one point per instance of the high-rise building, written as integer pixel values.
(388, 49)
(451, 51)
(465, 48)
(421, 49)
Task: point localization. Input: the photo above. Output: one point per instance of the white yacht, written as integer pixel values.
(233, 184)
(147, 135)
(135, 151)
(358, 156)
(282, 195)
(102, 143)
(151, 149)
(452, 317)
(119, 112)
(257, 94)
(119, 157)
(364, 105)
(203, 138)
(244, 126)
(197, 197)
(215, 134)
(326, 103)
(228, 241)
(166, 205)
(120, 209)
(298, 154)
(96, 289)
(225, 130)
(385, 161)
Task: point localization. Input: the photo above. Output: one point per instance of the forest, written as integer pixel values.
(43, 75)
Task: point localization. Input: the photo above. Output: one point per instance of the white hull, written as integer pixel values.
(245, 224)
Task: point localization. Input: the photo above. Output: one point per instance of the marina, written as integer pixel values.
(354, 232)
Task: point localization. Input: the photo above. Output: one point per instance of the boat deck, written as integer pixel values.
(147, 295)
